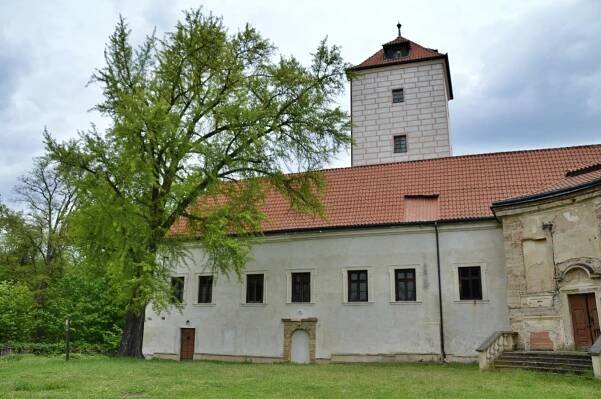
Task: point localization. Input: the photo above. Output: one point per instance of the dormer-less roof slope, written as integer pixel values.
(465, 188)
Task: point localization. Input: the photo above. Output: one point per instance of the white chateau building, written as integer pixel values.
(422, 255)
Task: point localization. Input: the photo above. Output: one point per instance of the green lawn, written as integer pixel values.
(101, 377)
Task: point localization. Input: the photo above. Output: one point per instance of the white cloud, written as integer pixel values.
(525, 74)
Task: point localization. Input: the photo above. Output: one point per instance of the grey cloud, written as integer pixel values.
(541, 84)
(13, 66)
(525, 74)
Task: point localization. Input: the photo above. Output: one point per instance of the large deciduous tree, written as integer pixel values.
(190, 112)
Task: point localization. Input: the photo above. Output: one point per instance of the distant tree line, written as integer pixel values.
(44, 280)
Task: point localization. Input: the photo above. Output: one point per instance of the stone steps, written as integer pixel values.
(555, 362)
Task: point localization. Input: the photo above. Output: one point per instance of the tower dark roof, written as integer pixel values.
(416, 53)
(409, 52)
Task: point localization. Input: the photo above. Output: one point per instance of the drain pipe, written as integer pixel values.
(441, 320)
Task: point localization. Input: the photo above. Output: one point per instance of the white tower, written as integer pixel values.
(399, 104)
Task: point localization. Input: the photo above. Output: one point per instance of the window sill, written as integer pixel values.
(300, 303)
(253, 305)
(471, 301)
(358, 303)
(405, 302)
(203, 305)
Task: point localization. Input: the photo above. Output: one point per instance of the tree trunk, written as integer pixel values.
(133, 334)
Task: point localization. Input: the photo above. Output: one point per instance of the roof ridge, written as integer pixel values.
(483, 154)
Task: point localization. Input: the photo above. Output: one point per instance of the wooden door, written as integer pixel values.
(186, 351)
(594, 316)
(585, 321)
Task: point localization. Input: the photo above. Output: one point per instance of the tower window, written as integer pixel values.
(398, 96)
(400, 144)
(399, 50)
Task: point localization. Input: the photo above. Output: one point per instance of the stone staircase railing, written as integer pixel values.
(595, 353)
(493, 346)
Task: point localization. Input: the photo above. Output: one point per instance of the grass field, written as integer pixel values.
(101, 377)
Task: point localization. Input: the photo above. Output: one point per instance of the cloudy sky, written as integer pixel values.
(526, 74)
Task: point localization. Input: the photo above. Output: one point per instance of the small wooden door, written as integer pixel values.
(585, 320)
(186, 351)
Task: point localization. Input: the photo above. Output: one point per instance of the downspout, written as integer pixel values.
(441, 319)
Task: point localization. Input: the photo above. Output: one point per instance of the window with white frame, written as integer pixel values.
(300, 290)
(404, 285)
(205, 289)
(357, 285)
(405, 282)
(255, 288)
(470, 282)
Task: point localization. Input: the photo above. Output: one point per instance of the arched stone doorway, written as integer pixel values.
(306, 329)
(579, 285)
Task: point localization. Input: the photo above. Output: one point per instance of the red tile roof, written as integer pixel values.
(582, 178)
(416, 53)
(575, 180)
(465, 186)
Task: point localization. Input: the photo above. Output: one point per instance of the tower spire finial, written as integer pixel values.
(398, 26)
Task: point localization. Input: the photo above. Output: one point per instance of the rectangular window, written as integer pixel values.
(398, 96)
(400, 144)
(177, 289)
(470, 283)
(254, 288)
(404, 284)
(205, 289)
(357, 285)
(301, 287)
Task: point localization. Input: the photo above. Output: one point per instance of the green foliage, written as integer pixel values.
(191, 111)
(55, 348)
(88, 301)
(17, 311)
(43, 281)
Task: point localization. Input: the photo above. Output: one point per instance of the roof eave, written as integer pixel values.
(397, 62)
(545, 195)
(474, 219)
(444, 57)
(448, 68)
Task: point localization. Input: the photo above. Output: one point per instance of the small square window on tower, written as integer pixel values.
(398, 96)
(400, 144)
